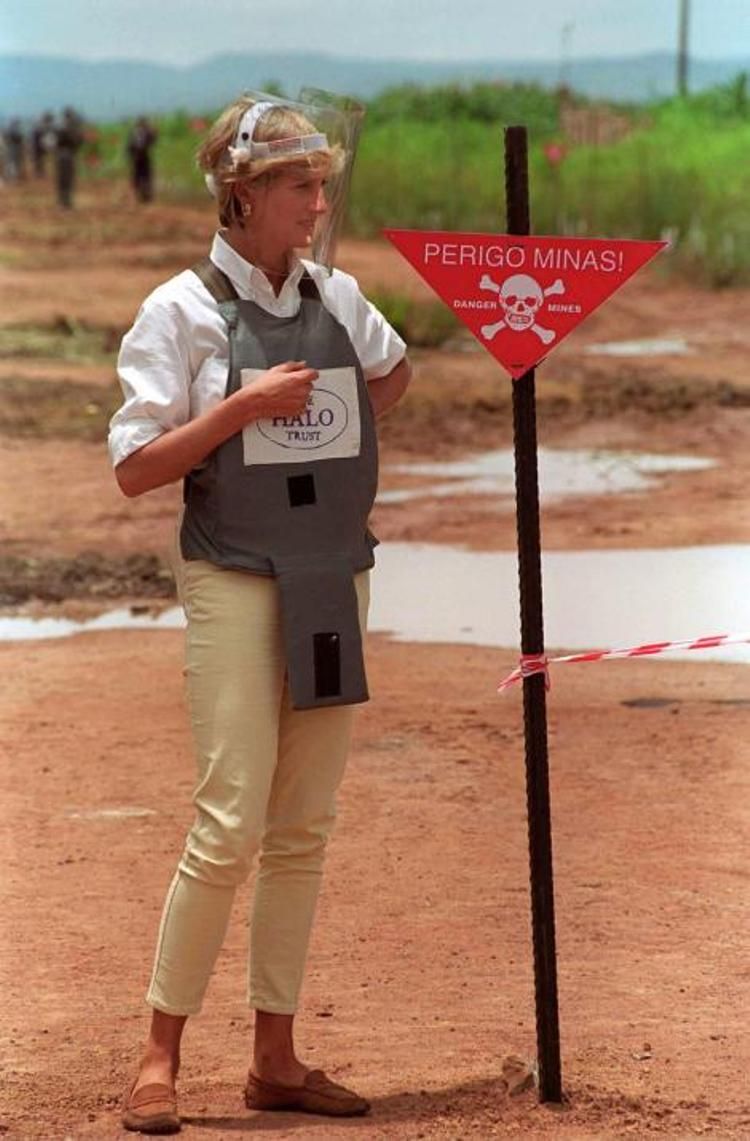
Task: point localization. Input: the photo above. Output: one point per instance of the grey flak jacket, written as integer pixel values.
(291, 496)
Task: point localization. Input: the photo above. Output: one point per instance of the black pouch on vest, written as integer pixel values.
(321, 629)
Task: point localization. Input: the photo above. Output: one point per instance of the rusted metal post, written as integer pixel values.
(532, 642)
(682, 48)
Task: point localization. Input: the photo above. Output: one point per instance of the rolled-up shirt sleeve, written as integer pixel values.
(154, 371)
(381, 347)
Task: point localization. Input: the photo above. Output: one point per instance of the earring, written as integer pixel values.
(247, 209)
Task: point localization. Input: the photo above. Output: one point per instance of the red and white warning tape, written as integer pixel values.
(539, 663)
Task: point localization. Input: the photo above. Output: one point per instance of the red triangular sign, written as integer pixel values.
(520, 297)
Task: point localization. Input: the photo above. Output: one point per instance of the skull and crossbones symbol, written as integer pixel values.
(520, 297)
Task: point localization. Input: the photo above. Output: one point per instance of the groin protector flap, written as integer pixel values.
(322, 636)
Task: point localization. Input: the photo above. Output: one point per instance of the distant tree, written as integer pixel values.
(273, 87)
(479, 102)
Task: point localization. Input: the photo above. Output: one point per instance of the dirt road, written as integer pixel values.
(420, 979)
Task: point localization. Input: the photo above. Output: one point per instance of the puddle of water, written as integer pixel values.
(606, 599)
(561, 473)
(30, 629)
(653, 347)
(592, 599)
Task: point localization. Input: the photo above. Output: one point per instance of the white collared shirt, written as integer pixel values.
(174, 362)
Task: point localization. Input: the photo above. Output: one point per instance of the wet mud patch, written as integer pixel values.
(461, 401)
(651, 390)
(64, 338)
(65, 409)
(105, 220)
(88, 575)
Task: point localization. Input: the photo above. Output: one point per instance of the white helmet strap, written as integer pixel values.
(245, 147)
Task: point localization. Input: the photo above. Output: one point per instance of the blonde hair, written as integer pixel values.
(280, 122)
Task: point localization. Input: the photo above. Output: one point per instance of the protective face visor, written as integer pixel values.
(336, 122)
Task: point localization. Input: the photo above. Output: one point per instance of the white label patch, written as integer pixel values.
(327, 429)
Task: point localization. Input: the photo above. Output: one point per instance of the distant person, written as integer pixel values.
(139, 145)
(15, 152)
(68, 137)
(42, 142)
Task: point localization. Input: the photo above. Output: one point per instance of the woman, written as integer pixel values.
(255, 379)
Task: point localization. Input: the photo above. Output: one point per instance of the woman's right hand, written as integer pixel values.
(283, 390)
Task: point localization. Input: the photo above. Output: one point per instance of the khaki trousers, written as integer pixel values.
(267, 781)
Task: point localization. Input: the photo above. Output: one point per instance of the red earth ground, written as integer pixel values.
(420, 981)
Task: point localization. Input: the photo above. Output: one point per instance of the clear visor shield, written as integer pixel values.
(341, 118)
(335, 123)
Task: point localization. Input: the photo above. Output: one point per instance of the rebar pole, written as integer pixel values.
(532, 642)
(682, 48)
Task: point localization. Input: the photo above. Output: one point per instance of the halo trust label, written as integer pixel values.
(327, 428)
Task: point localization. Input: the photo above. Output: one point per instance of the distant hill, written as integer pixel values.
(118, 89)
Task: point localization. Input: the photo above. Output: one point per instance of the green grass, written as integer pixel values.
(683, 177)
(64, 340)
(425, 324)
(67, 409)
(432, 159)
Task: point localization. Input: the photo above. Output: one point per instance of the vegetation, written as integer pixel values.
(425, 324)
(63, 340)
(432, 159)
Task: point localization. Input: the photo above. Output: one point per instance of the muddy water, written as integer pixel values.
(432, 593)
(26, 629)
(561, 474)
(648, 347)
(428, 593)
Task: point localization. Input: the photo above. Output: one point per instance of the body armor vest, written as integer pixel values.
(290, 496)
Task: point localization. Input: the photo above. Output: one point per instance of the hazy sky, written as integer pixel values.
(183, 31)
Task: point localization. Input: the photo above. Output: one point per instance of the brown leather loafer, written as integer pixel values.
(318, 1094)
(151, 1109)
